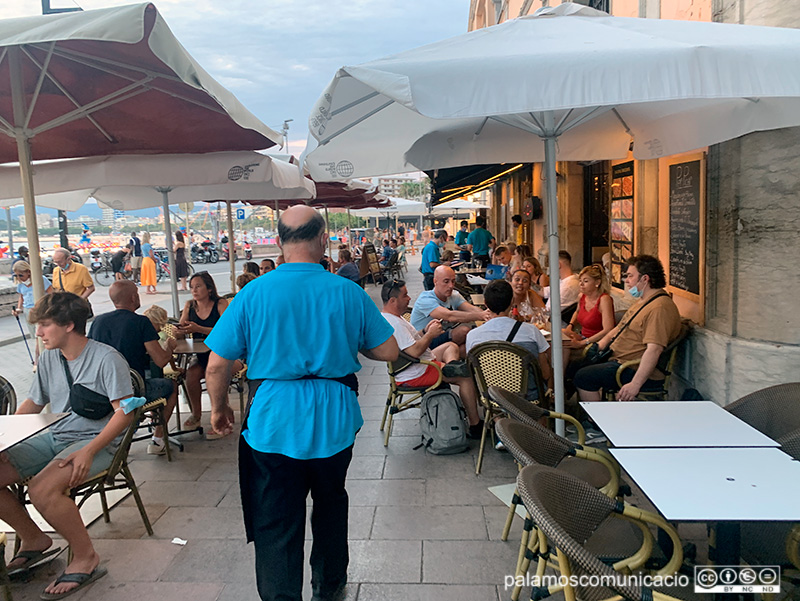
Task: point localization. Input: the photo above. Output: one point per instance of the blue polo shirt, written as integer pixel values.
(295, 321)
(461, 237)
(427, 302)
(479, 238)
(430, 254)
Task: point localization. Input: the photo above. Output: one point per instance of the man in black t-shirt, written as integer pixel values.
(136, 255)
(135, 337)
(118, 262)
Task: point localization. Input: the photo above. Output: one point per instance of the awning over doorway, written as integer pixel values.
(457, 182)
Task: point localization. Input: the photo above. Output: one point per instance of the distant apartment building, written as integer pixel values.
(43, 220)
(393, 185)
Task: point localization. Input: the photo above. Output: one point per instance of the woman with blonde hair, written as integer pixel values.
(594, 317)
(25, 302)
(148, 274)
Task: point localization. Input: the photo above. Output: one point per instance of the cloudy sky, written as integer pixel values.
(278, 55)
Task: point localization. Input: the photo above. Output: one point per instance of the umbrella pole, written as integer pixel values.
(231, 248)
(24, 155)
(173, 280)
(328, 228)
(349, 227)
(555, 289)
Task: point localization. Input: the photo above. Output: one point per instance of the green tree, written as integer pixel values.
(416, 190)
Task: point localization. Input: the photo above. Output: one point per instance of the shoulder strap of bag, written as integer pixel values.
(61, 283)
(514, 331)
(639, 310)
(66, 368)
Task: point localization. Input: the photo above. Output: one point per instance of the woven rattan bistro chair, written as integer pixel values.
(501, 364)
(665, 364)
(401, 397)
(153, 410)
(533, 444)
(775, 412)
(521, 409)
(8, 398)
(570, 513)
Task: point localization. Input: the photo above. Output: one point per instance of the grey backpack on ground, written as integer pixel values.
(443, 423)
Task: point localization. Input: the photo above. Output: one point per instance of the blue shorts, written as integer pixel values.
(158, 388)
(32, 455)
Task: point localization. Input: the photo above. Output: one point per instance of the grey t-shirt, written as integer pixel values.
(99, 367)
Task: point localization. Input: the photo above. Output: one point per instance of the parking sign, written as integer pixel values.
(239, 213)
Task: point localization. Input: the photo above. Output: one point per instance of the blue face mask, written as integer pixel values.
(635, 292)
(442, 244)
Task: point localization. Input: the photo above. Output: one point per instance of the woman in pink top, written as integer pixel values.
(595, 315)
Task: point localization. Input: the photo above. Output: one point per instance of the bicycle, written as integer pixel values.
(162, 266)
(105, 275)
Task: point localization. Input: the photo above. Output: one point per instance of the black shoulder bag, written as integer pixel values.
(84, 402)
(594, 354)
(61, 283)
(514, 331)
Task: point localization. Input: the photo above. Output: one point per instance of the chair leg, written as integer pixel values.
(515, 500)
(135, 490)
(388, 431)
(528, 551)
(389, 402)
(104, 503)
(483, 446)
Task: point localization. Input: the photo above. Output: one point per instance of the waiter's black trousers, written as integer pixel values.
(274, 491)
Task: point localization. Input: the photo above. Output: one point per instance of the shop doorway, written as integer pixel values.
(595, 211)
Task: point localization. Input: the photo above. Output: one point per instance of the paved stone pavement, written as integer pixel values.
(421, 526)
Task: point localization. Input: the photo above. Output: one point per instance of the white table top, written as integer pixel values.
(730, 484)
(16, 428)
(673, 424)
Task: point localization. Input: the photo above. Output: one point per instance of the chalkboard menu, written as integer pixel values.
(684, 226)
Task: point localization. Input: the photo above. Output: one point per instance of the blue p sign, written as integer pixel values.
(239, 213)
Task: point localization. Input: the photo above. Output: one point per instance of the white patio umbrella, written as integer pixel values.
(141, 181)
(108, 81)
(569, 83)
(399, 207)
(457, 206)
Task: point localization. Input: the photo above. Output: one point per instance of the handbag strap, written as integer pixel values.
(514, 331)
(66, 368)
(639, 310)
(61, 283)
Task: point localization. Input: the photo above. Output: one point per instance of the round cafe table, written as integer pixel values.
(184, 350)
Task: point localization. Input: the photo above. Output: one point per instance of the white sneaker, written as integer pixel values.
(155, 448)
(500, 446)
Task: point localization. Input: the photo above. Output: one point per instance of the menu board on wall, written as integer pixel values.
(621, 219)
(684, 226)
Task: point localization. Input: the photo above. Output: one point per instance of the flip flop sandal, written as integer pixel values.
(32, 559)
(81, 578)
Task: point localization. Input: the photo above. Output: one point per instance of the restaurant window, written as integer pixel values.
(621, 220)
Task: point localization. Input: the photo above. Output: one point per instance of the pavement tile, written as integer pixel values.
(182, 494)
(386, 492)
(359, 523)
(225, 471)
(472, 490)
(126, 522)
(385, 561)
(400, 427)
(180, 468)
(425, 465)
(212, 560)
(398, 445)
(195, 523)
(497, 464)
(232, 498)
(475, 562)
(437, 523)
(496, 521)
(425, 592)
(151, 558)
(109, 589)
(366, 467)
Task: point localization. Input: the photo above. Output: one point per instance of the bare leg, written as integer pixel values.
(47, 491)
(15, 515)
(193, 376)
(466, 386)
(589, 395)
(172, 400)
(459, 334)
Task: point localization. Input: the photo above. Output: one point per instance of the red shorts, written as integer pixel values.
(427, 379)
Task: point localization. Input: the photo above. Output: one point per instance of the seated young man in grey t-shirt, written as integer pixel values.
(498, 296)
(73, 449)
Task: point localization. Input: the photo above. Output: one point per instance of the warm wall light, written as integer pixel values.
(458, 192)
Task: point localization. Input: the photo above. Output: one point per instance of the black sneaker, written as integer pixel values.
(475, 432)
(456, 369)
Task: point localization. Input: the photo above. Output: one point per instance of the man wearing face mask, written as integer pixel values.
(644, 332)
(431, 258)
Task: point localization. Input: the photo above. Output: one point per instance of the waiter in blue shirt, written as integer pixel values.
(480, 241)
(431, 259)
(298, 433)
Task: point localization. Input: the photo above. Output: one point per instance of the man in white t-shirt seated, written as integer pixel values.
(569, 286)
(498, 296)
(395, 299)
(447, 305)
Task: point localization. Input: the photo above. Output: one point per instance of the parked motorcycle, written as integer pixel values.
(96, 260)
(248, 252)
(205, 252)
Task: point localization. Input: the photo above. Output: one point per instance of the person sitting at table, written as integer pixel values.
(71, 450)
(251, 267)
(521, 252)
(645, 331)
(447, 257)
(539, 279)
(348, 268)
(401, 250)
(525, 300)
(243, 279)
(594, 317)
(198, 318)
(387, 252)
(266, 266)
(445, 304)
(499, 296)
(569, 287)
(135, 337)
(395, 299)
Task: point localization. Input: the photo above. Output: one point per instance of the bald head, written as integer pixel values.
(301, 235)
(442, 272)
(124, 295)
(444, 281)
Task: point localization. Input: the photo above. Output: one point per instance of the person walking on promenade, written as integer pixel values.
(303, 416)
(136, 256)
(181, 266)
(149, 276)
(69, 276)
